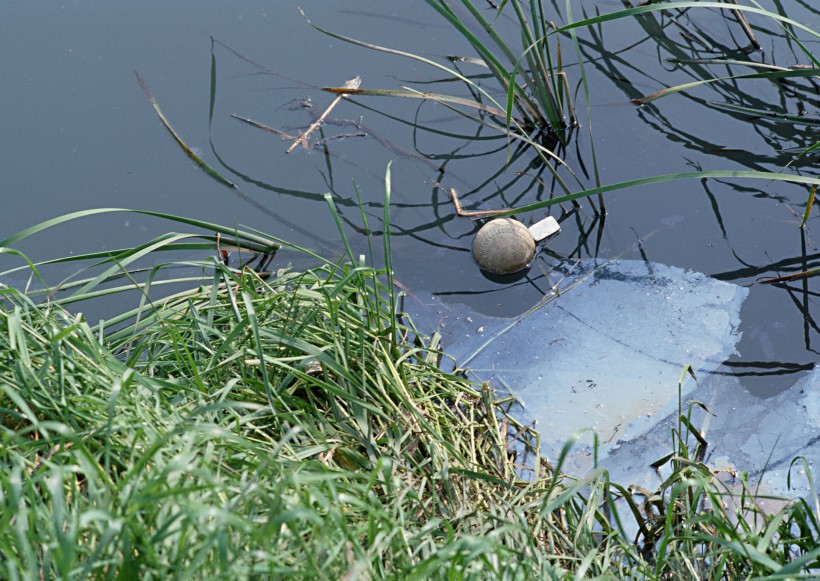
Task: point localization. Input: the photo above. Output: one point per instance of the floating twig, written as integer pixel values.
(792, 277)
(351, 84)
(744, 24)
(470, 213)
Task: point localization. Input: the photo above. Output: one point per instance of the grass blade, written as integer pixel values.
(809, 206)
(743, 174)
(198, 160)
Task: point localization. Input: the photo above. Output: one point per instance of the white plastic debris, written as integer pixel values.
(545, 228)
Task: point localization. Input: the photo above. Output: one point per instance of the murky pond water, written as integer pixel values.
(78, 133)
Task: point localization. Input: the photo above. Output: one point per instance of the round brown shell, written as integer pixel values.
(503, 246)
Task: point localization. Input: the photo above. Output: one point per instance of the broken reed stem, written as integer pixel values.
(351, 84)
(744, 24)
(470, 213)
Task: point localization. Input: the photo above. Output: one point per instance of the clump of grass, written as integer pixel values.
(295, 424)
(532, 104)
(542, 97)
(706, 524)
(283, 426)
(537, 96)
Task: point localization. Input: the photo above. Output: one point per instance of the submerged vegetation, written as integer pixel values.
(296, 424)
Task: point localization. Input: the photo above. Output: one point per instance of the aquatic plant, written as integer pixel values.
(541, 98)
(536, 109)
(537, 93)
(725, 70)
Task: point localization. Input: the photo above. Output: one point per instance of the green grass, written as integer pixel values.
(531, 77)
(295, 424)
(275, 427)
(542, 97)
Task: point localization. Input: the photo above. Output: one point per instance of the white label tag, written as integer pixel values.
(545, 228)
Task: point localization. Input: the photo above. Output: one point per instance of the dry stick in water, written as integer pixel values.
(744, 24)
(351, 84)
(470, 213)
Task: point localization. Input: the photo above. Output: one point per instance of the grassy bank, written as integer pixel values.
(255, 427)
(296, 425)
